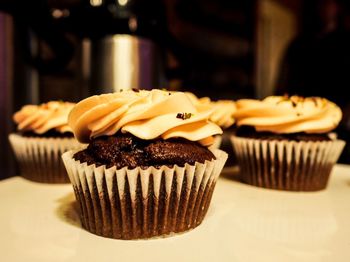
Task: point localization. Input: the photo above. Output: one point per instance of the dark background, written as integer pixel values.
(216, 48)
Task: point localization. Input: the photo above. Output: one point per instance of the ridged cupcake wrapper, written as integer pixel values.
(40, 159)
(286, 165)
(143, 203)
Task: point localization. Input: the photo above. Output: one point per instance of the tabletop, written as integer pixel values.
(40, 222)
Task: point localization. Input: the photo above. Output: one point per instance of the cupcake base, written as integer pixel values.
(143, 203)
(39, 159)
(286, 165)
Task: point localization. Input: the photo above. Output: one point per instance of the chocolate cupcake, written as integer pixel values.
(286, 142)
(43, 136)
(222, 112)
(147, 170)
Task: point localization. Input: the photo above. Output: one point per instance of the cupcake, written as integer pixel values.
(222, 112)
(147, 170)
(43, 136)
(287, 143)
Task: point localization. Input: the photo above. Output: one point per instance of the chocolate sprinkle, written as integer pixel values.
(184, 116)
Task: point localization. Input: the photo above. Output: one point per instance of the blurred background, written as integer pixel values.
(70, 49)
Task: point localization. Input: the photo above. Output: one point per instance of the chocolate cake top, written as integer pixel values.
(125, 150)
(250, 132)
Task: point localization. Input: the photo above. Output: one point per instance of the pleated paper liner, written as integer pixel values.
(286, 165)
(138, 203)
(40, 159)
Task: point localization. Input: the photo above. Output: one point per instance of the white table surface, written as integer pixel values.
(40, 223)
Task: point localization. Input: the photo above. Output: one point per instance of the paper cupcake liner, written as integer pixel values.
(143, 203)
(286, 165)
(39, 158)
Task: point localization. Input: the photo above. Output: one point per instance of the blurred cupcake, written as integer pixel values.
(286, 142)
(43, 136)
(222, 112)
(147, 170)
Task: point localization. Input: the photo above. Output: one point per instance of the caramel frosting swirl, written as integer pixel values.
(282, 114)
(42, 118)
(222, 110)
(144, 114)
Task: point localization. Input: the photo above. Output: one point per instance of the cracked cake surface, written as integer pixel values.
(126, 150)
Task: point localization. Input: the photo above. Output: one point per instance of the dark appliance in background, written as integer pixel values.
(70, 49)
(82, 47)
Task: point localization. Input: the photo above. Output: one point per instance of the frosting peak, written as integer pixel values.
(42, 118)
(283, 114)
(144, 114)
(222, 110)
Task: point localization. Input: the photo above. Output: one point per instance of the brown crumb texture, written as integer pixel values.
(249, 132)
(126, 150)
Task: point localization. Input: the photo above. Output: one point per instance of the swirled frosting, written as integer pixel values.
(144, 114)
(42, 118)
(283, 114)
(222, 110)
